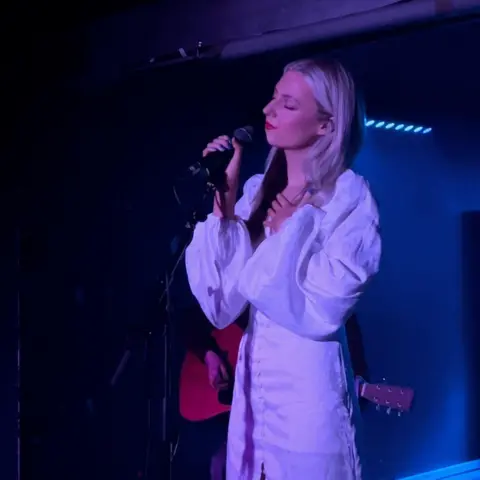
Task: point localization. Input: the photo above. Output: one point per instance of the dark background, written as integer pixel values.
(91, 189)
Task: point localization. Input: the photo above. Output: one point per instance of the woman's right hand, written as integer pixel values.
(224, 203)
(222, 144)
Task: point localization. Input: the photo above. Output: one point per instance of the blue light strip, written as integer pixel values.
(397, 126)
(460, 471)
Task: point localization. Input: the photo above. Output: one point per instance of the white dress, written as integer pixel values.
(294, 408)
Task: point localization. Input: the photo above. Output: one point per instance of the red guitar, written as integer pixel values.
(199, 401)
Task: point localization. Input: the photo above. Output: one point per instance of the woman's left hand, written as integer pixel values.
(280, 210)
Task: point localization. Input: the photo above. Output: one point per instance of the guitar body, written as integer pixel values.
(198, 400)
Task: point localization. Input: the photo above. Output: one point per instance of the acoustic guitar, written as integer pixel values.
(199, 401)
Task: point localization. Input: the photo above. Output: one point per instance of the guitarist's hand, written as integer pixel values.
(217, 371)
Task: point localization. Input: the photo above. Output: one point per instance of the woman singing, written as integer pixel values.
(298, 248)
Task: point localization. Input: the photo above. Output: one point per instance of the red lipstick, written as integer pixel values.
(269, 126)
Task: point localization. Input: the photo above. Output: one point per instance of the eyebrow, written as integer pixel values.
(284, 95)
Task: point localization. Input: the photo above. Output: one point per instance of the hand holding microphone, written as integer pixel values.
(223, 164)
(226, 168)
(219, 167)
(217, 155)
(222, 144)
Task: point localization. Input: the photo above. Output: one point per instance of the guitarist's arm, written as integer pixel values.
(196, 331)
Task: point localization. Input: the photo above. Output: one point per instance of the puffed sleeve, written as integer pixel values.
(308, 277)
(219, 250)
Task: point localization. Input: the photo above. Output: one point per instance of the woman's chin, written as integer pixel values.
(271, 138)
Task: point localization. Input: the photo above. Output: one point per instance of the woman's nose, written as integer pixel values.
(269, 110)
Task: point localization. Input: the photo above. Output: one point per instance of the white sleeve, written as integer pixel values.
(308, 283)
(219, 250)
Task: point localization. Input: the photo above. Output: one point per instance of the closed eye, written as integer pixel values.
(287, 102)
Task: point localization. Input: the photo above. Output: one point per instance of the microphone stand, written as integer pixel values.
(167, 446)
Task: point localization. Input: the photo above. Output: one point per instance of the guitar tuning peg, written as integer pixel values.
(389, 411)
(377, 408)
(384, 380)
(399, 414)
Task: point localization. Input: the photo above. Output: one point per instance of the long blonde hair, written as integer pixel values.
(332, 153)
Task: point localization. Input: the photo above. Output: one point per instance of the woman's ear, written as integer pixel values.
(325, 127)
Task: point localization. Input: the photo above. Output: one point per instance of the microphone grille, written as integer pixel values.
(244, 134)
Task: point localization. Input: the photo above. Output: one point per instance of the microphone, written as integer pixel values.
(215, 163)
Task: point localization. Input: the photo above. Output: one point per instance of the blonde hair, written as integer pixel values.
(337, 101)
(332, 153)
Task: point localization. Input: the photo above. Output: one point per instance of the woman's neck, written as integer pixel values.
(295, 168)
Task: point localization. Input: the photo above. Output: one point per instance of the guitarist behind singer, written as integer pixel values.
(206, 388)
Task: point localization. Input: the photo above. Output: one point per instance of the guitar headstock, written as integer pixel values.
(392, 397)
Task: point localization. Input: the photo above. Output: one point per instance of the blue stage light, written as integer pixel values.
(397, 126)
